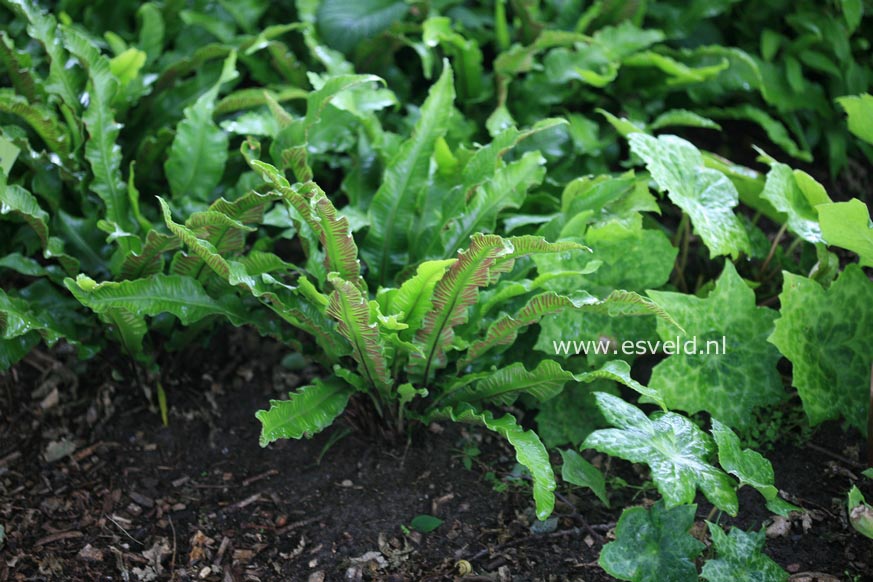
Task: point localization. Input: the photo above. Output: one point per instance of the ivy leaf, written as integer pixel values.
(739, 557)
(653, 545)
(847, 225)
(673, 447)
(827, 334)
(577, 471)
(750, 467)
(705, 194)
(728, 385)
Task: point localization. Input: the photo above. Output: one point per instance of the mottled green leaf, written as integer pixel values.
(731, 368)
(827, 334)
(674, 448)
(739, 556)
(750, 467)
(653, 545)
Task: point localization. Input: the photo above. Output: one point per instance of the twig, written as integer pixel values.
(776, 240)
(173, 559)
(109, 517)
(578, 516)
(264, 475)
(556, 534)
(836, 456)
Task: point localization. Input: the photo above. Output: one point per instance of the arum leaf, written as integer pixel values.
(783, 191)
(343, 25)
(653, 545)
(673, 447)
(706, 195)
(859, 109)
(739, 556)
(749, 467)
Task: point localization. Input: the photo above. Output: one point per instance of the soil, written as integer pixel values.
(94, 487)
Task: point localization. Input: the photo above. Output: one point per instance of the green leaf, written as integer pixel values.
(572, 415)
(308, 411)
(457, 290)
(739, 556)
(577, 471)
(150, 260)
(101, 150)
(750, 467)
(127, 65)
(425, 523)
(414, 297)
(343, 25)
(673, 447)
(42, 119)
(847, 225)
(350, 308)
(859, 108)
(505, 385)
(653, 545)
(392, 211)
(776, 131)
(43, 27)
(199, 151)
(706, 195)
(126, 304)
(698, 375)
(829, 345)
(17, 201)
(860, 512)
(529, 451)
(506, 189)
(682, 117)
(504, 331)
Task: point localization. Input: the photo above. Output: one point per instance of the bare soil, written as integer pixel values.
(94, 487)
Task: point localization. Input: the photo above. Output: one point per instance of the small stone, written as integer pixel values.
(316, 577)
(205, 572)
(91, 554)
(347, 483)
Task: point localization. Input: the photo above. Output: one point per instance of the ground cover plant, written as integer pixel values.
(512, 215)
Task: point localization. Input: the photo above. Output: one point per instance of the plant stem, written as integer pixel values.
(772, 252)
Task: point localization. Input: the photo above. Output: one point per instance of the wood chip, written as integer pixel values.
(56, 537)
